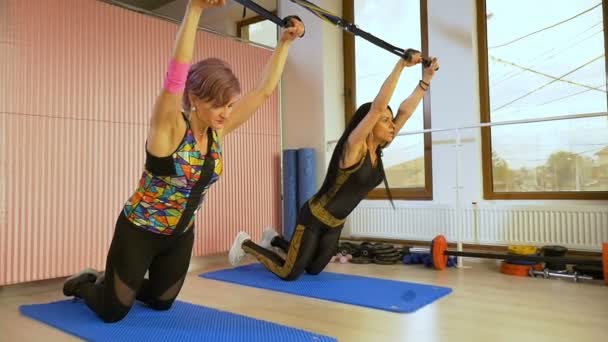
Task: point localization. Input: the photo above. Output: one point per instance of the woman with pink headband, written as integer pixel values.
(196, 108)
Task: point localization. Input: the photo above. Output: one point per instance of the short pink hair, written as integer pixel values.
(211, 80)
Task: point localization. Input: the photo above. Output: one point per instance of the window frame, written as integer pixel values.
(486, 133)
(250, 21)
(425, 193)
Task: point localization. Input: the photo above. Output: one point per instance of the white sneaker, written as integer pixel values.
(267, 235)
(237, 253)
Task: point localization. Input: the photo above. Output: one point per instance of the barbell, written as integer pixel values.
(439, 254)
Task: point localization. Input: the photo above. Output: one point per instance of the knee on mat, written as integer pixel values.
(161, 305)
(114, 315)
(292, 277)
(314, 271)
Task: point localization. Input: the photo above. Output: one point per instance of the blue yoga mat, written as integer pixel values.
(290, 191)
(383, 294)
(183, 322)
(306, 175)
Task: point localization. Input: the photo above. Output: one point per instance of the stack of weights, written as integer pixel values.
(555, 251)
(378, 253)
(346, 252)
(520, 268)
(386, 254)
(594, 271)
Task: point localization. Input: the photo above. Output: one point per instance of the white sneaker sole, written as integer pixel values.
(237, 253)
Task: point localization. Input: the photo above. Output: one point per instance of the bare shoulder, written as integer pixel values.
(164, 138)
(352, 154)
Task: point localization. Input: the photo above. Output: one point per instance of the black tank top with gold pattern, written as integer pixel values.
(348, 189)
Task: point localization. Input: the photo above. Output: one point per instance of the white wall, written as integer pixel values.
(455, 98)
(313, 84)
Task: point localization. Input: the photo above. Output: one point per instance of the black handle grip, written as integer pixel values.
(288, 23)
(426, 62)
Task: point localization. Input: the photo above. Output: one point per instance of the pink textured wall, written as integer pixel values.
(78, 79)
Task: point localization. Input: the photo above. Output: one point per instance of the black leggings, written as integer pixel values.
(311, 248)
(133, 252)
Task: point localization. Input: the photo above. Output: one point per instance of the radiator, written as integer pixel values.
(576, 227)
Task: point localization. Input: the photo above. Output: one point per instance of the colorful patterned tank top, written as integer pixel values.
(172, 189)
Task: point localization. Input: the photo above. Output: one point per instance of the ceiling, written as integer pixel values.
(222, 19)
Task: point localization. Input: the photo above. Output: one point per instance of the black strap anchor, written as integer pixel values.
(285, 22)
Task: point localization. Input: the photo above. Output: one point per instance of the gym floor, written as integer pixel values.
(485, 305)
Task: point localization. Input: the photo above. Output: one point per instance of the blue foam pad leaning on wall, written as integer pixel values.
(183, 322)
(290, 191)
(376, 293)
(306, 175)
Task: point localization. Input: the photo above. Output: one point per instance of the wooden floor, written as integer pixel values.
(485, 306)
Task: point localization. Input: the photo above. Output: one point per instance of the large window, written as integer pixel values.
(407, 160)
(258, 30)
(543, 58)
